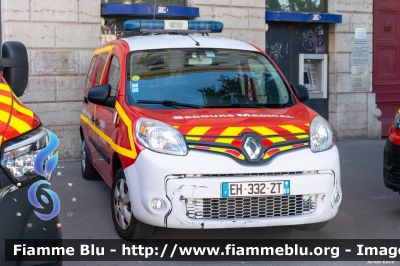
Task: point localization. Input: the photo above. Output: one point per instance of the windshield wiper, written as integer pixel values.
(169, 103)
(234, 105)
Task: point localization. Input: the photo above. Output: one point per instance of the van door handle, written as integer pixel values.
(94, 120)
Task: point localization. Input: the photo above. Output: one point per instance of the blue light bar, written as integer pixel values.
(182, 26)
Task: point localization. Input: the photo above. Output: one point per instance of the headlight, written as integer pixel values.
(321, 136)
(160, 137)
(396, 122)
(18, 155)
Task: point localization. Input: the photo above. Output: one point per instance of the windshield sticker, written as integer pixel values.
(136, 78)
(210, 54)
(135, 87)
(231, 116)
(194, 55)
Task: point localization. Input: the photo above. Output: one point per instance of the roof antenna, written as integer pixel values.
(197, 43)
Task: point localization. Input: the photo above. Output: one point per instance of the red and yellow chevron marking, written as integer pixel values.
(279, 139)
(227, 134)
(231, 152)
(233, 141)
(14, 114)
(274, 151)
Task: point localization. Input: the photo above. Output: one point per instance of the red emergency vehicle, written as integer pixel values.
(194, 131)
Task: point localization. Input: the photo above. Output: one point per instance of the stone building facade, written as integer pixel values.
(61, 36)
(352, 115)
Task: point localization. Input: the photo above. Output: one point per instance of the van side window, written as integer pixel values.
(113, 75)
(99, 74)
(90, 74)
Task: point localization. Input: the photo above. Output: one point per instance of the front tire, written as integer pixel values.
(124, 222)
(311, 227)
(88, 171)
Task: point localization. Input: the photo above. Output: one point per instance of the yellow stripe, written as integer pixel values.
(5, 100)
(176, 126)
(193, 138)
(276, 139)
(285, 148)
(266, 156)
(232, 131)
(23, 110)
(4, 116)
(198, 131)
(19, 125)
(241, 157)
(225, 140)
(292, 129)
(263, 131)
(302, 136)
(218, 149)
(4, 87)
(307, 124)
(104, 49)
(128, 123)
(115, 147)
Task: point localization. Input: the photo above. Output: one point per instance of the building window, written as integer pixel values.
(296, 5)
(146, 2)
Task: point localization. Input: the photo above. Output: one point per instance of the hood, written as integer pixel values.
(15, 118)
(250, 135)
(216, 121)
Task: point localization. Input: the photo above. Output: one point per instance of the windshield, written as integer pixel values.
(205, 78)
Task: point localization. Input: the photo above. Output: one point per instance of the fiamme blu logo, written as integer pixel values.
(44, 164)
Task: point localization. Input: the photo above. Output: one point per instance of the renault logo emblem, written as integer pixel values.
(253, 147)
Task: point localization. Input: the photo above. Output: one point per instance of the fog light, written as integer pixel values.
(337, 197)
(157, 204)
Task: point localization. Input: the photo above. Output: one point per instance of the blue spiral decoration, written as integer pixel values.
(35, 202)
(44, 154)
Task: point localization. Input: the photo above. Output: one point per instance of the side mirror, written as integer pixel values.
(101, 95)
(14, 63)
(300, 91)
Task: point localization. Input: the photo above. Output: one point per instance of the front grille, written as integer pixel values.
(251, 207)
(394, 176)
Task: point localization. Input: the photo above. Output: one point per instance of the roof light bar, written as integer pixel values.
(182, 26)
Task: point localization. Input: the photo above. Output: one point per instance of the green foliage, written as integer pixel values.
(295, 5)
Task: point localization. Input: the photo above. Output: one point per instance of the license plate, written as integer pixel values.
(251, 189)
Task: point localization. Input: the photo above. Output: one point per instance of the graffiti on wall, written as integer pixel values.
(312, 43)
(277, 52)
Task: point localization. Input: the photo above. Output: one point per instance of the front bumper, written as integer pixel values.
(391, 166)
(186, 182)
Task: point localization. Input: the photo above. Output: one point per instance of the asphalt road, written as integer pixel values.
(368, 211)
